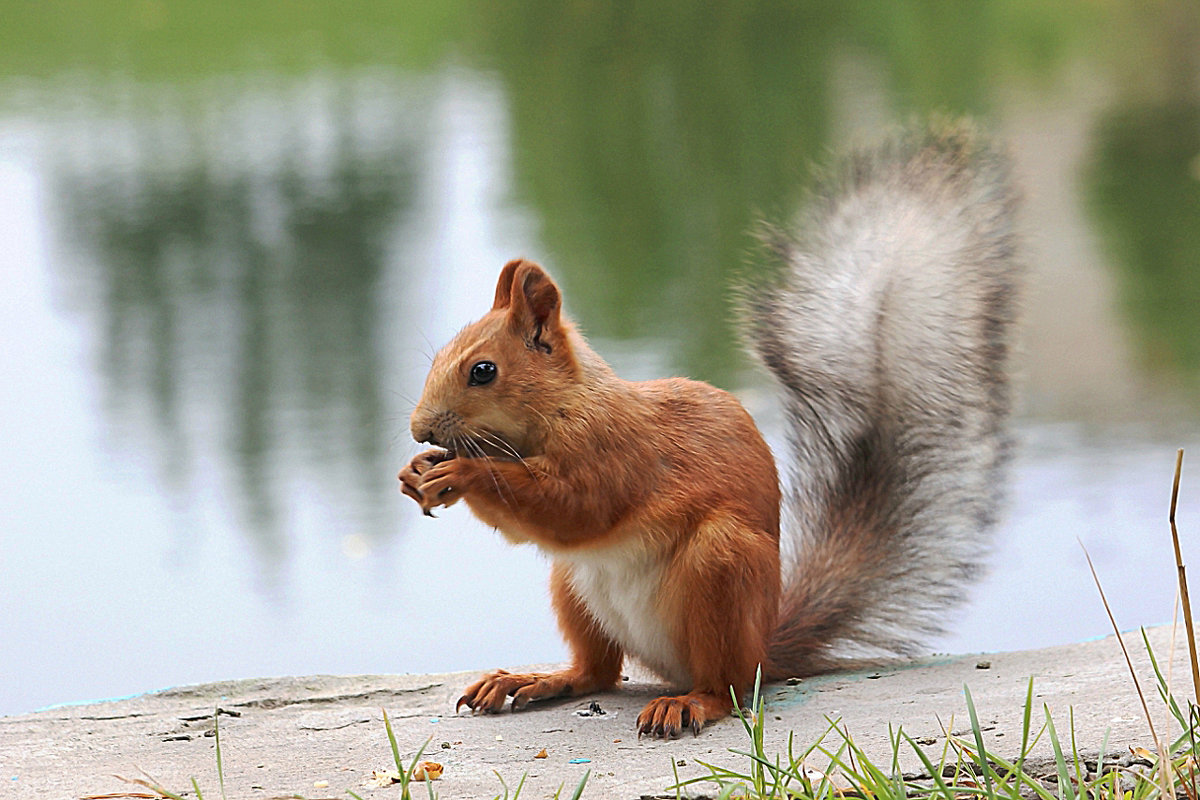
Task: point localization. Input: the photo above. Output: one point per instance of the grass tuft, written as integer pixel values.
(834, 767)
(965, 769)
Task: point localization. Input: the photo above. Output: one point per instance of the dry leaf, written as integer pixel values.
(427, 770)
(147, 782)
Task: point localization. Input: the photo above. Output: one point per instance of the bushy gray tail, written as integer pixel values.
(888, 329)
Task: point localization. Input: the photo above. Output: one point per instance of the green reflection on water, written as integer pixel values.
(181, 40)
(1144, 189)
(252, 280)
(1142, 185)
(647, 137)
(652, 136)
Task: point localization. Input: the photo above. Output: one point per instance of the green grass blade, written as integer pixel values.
(412, 767)
(195, 788)
(387, 724)
(1161, 681)
(1025, 727)
(1065, 787)
(503, 785)
(1080, 769)
(579, 789)
(217, 739)
(980, 750)
(897, 774)
(727, 792)
(1015, 789)
(934, 772)
(1103, 752)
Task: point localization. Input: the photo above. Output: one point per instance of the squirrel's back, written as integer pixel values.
(887, 326)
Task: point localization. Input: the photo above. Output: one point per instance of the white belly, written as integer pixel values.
(619, 585)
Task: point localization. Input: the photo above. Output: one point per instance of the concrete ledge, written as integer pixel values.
(320, 736)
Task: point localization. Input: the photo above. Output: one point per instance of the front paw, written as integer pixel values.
(412, 476)
(488, 695)
(443, 484)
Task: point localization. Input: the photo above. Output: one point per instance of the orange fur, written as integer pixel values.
(658, 502)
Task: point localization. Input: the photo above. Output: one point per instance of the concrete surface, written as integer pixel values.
(320, 736)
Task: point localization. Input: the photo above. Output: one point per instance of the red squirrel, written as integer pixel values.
(659, 503)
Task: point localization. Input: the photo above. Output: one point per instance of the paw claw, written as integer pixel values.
(668, 717)
(489, 694)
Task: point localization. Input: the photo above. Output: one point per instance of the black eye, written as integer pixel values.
(482, 372)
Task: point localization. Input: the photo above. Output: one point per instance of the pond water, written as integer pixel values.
(232, 242)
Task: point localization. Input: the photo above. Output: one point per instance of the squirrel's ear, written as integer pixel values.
(504, 284)
(534, 304)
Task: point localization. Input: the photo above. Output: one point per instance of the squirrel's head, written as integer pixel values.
(492, 389)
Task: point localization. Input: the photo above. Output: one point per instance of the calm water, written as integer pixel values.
(232, 241)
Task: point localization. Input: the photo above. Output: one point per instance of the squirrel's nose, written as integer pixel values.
(427, 437)
(421, 427)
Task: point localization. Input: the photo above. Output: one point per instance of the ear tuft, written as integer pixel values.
(504, 284)
(533, 304)
(534, 289)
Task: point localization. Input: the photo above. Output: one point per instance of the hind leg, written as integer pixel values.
(723, 588)
(666, 717)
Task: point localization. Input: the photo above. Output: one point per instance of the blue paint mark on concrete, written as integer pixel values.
(76, 703)
(784, 696)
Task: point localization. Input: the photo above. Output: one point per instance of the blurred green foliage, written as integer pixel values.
(647, 137)
(652, 136)
(1143, 188)
(183, 40)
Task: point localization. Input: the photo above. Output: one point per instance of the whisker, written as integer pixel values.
(431, 350)
(406, 397)
(504, 446)
(499, 443)
(474, 446)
